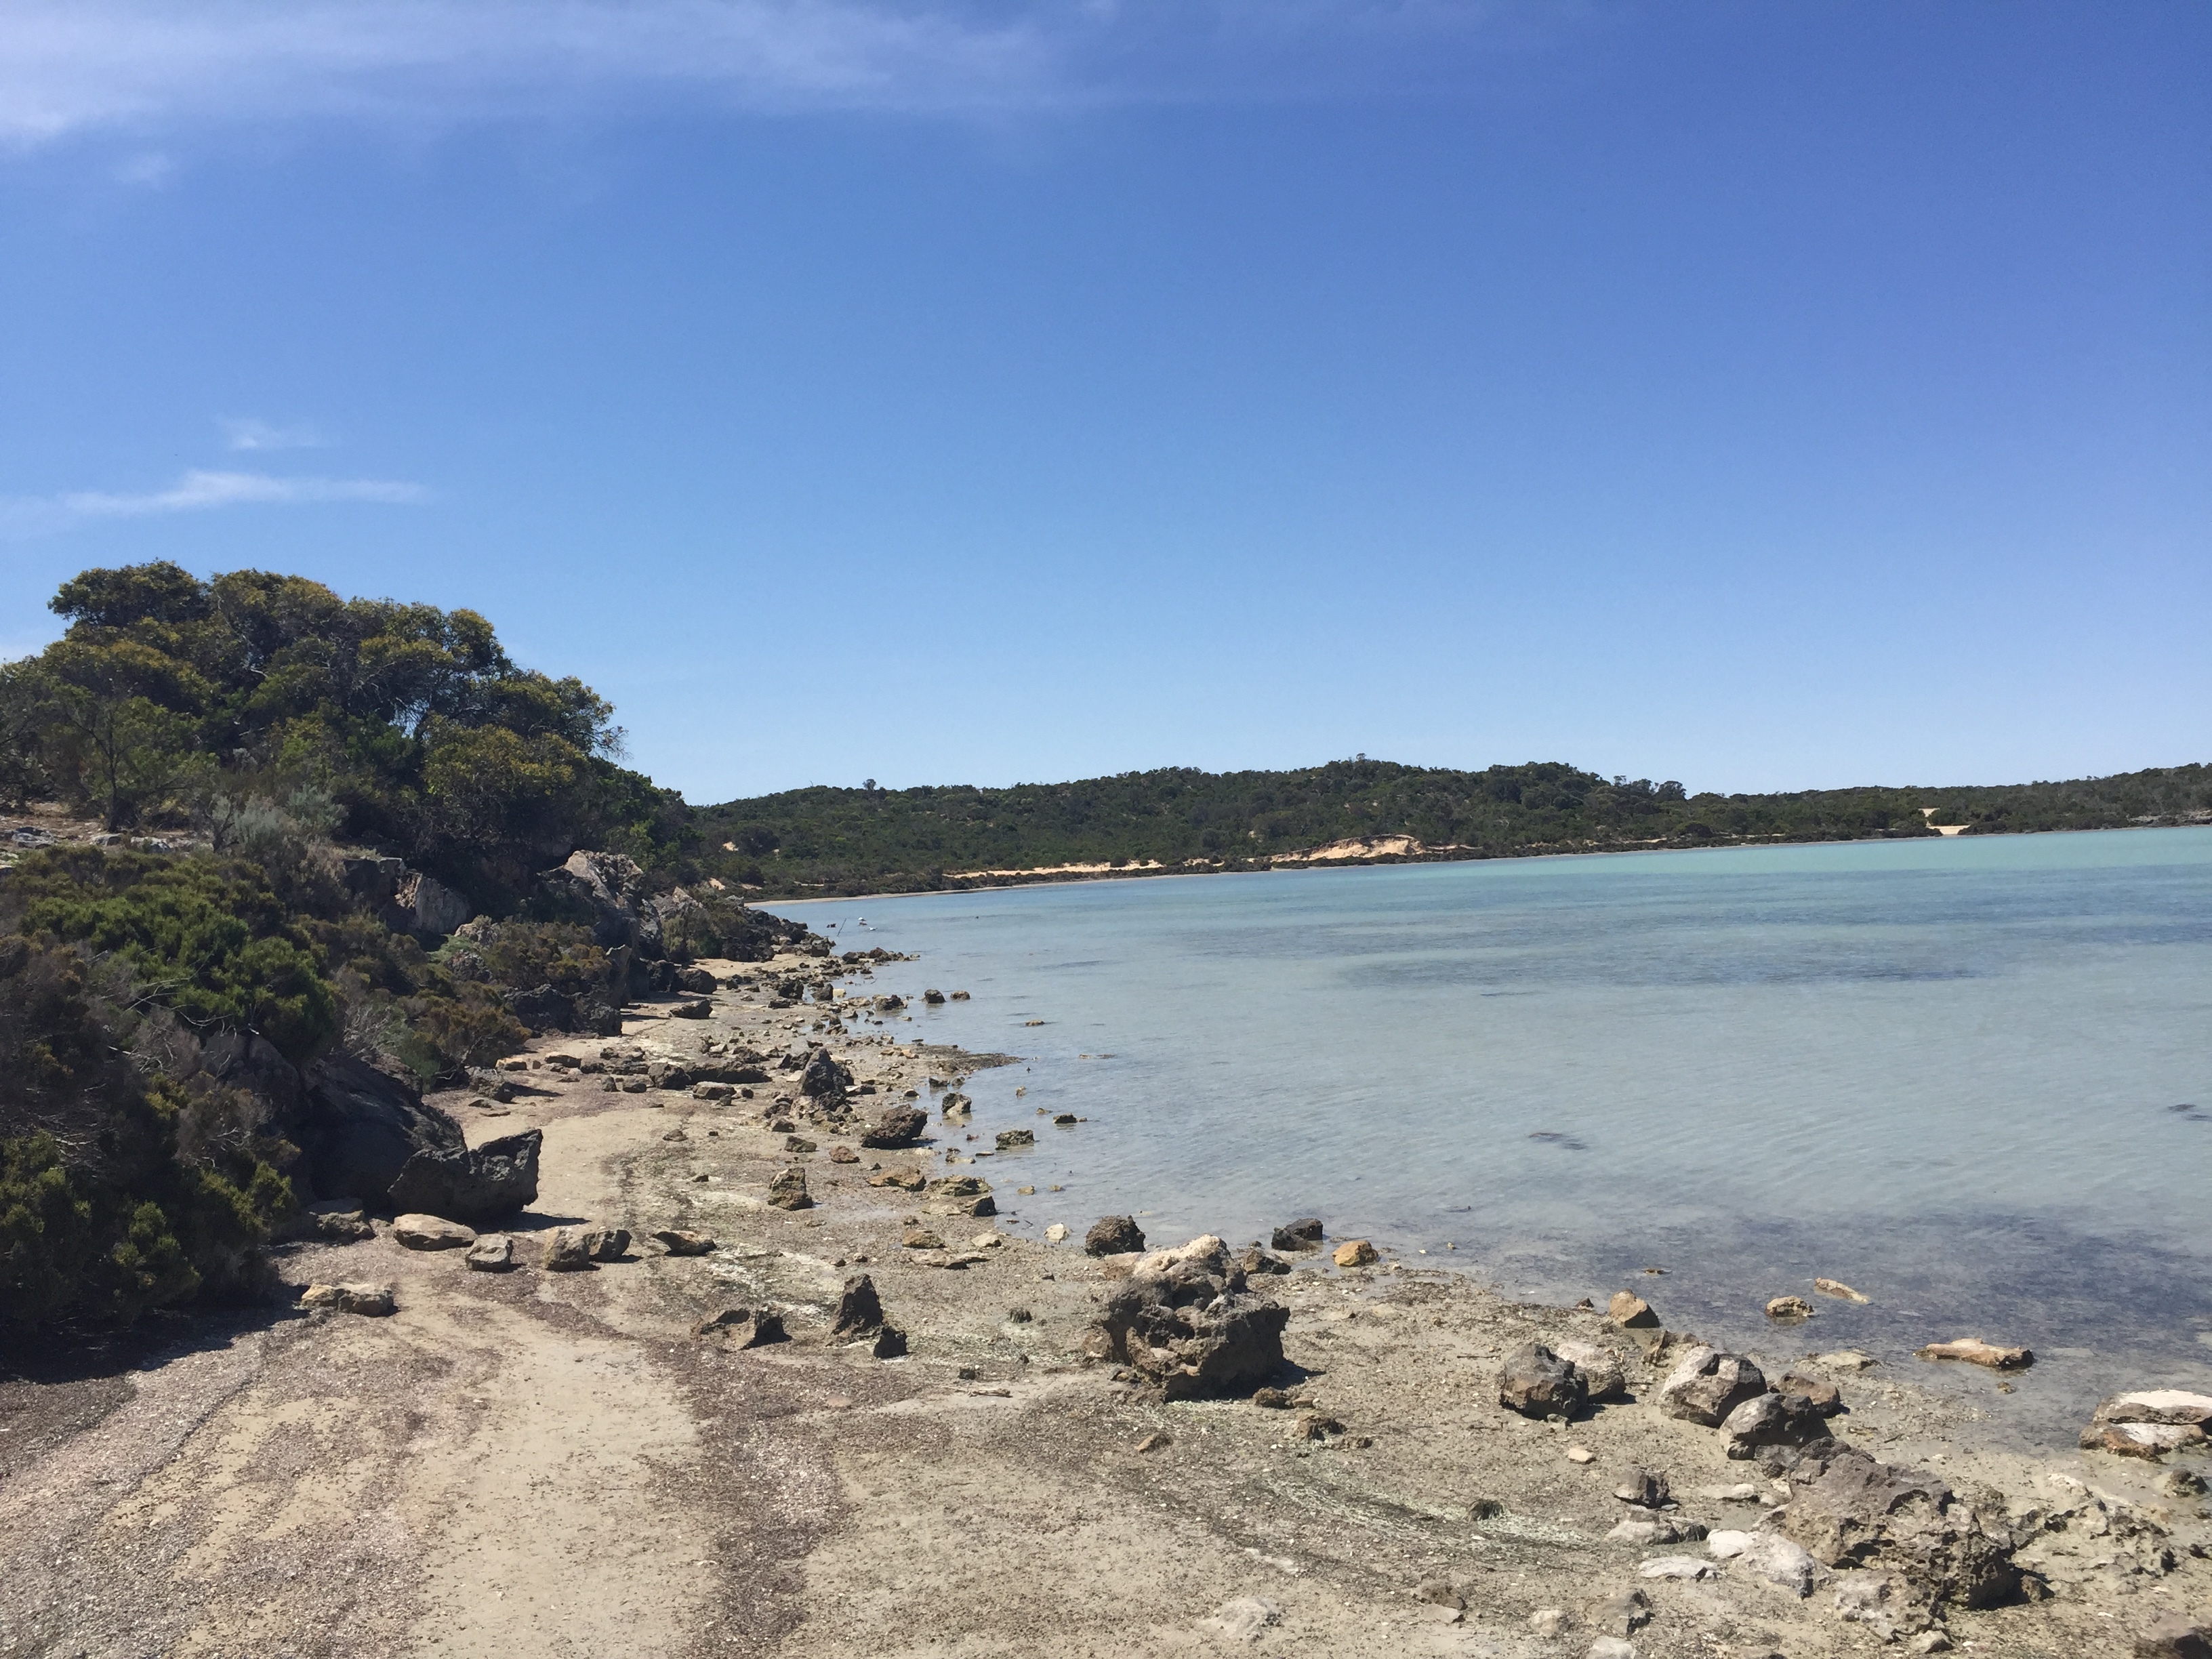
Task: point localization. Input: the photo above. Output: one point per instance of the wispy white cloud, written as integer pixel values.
(69, 66)
(248, 434)
(195, 492)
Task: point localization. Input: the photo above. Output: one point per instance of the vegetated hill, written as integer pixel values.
(828, 840)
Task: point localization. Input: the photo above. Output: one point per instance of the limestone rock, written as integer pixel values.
(743, 1328)
(1773, 1419)
(680, 1240)
(1841, 1291)
(1850, 1511)
(1631, 1312)
(912, 1180)
(1790, 1308)
(1825, 1398)
(430, 1233)
(2149, 1441)
(902, 1125)
(1645, 1488)
(786, 1190)
(1114, 1235)
(1008, 1139)
(922, 1238)
(2175, 1635)
(1354, 1253)
(1186, 1323)
(477, 1184)
(1773, 1558)
(1706, 1385)
(1537, 1383)
(1300, 1235)
(961, 1196)
(2157, 1405)
(860, 1310)
(493, 1252)
(372, 1300)
(1604, 1377)
(1057, 1233)
(1975, 1351)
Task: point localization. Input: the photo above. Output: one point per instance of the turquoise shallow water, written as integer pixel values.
(1972, 1078)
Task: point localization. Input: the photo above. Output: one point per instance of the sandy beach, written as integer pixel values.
(558, 1464)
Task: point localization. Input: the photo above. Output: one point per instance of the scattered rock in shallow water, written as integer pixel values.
(1056, 1233)
(1355, 1252)
(1841, 1291)
(1645, 1488)
(1706, 1385)
(1792, 1309)
(1302, 1234)
(1846, 1359)
(1114, 1235)
(680, 1240)
(1009, 1139)
(1975, 1351)
(743, 1328)
(1536, 1382)
(493, 1252)
(373, 1301)
(430, 1233)
(788, 1190)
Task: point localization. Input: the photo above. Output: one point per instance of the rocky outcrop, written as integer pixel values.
(1114, 1235)
(1536, 1382)
(1850, 1511)
(475, 1184)
(405, 900)
(359, 1126)
(1706, 1385)
(1186, 1323)
(2149, 1423)
(611, 888)
(860, 1310)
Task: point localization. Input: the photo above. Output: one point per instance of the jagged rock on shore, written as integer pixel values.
(2149, 1423)
(743, 1328)
(786, 1190)
(902, 1125)
(680, 1241)
(492, 1253)
(1851, 1511)
(1537, 1383)
(1114, 1235)
(1706, 1385)
(475, 1184)
(1186, 1323)
(860, 1309)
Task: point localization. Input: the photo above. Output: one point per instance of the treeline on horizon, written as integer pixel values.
(836, 842)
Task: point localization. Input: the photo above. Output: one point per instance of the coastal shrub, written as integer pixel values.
(123, 1186)
(208, 938)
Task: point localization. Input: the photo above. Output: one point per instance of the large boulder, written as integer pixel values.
(1186, 1323)
(1850, 1511)
(359, 1126)
(1706, 1385)
(545, 1009)
(475, 1184)
(1536, 1382)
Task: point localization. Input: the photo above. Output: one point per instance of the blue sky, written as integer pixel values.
(1766, 397)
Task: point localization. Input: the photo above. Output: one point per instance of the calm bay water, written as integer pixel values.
(1972, 1078)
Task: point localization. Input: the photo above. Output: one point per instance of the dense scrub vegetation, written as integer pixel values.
(858, 840)
(265, 743)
